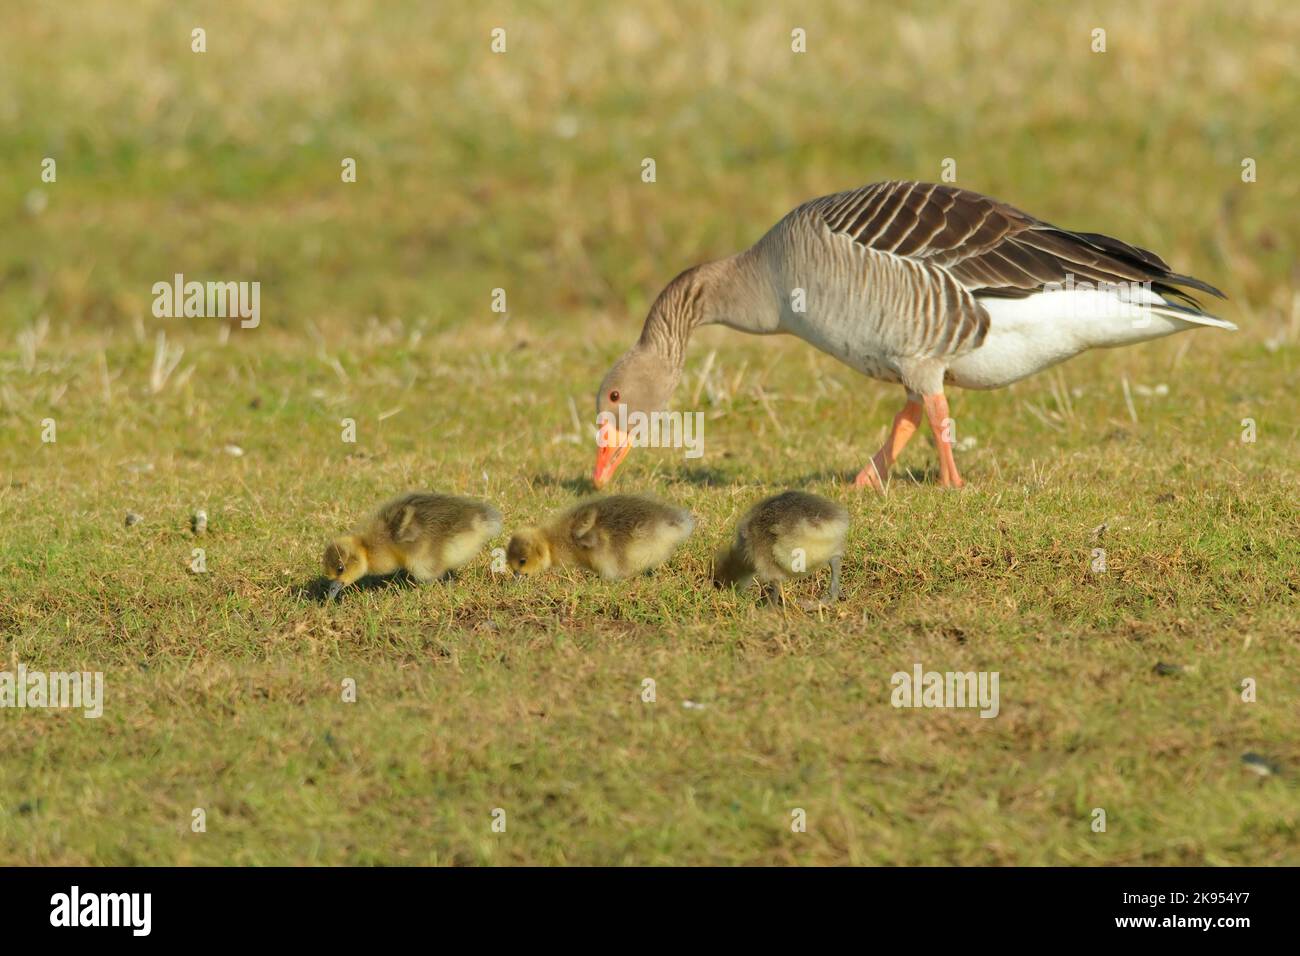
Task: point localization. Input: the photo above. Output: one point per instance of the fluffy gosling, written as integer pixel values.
(786, 536)
(616, 536)
(425, 534)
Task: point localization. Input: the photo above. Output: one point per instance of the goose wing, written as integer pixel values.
(927, 233)
(992, 248)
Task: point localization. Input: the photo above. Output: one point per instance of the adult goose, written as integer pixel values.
(915, 283)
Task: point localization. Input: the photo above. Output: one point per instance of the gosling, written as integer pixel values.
(427, 535)
(786, 536)
(615, 536)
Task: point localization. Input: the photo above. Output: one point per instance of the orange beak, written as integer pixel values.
(612, 447)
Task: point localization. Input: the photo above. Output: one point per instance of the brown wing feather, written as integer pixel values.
(990, 247)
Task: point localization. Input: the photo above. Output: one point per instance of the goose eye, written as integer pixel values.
(339, 569)
(613, 396)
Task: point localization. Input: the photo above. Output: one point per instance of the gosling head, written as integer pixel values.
(344, 562)
(730, 569)
(528, 552)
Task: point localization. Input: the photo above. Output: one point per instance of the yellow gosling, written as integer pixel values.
(615, 536)
(427, 535)
(786, 536)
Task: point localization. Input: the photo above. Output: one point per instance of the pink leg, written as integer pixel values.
(905, 423)
(936, 409)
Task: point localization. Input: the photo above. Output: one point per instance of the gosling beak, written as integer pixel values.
(334, 589)
(612, 447)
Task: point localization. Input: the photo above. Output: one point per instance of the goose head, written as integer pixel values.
(733, 291)
(639, 384)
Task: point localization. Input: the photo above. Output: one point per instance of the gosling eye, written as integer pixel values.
(613, 396)
(339, 569)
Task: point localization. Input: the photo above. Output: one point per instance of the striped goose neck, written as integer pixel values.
(729, 291)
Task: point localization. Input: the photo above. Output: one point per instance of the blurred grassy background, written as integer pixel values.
(522, 171)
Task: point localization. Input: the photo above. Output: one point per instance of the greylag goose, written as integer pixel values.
(786, 536)
(616, 536)
(920, 284)
(427, 535)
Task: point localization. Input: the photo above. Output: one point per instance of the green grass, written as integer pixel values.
(224, 688)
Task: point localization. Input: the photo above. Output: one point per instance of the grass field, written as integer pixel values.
(521, 171)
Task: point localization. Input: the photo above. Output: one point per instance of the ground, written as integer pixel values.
(226, 689)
